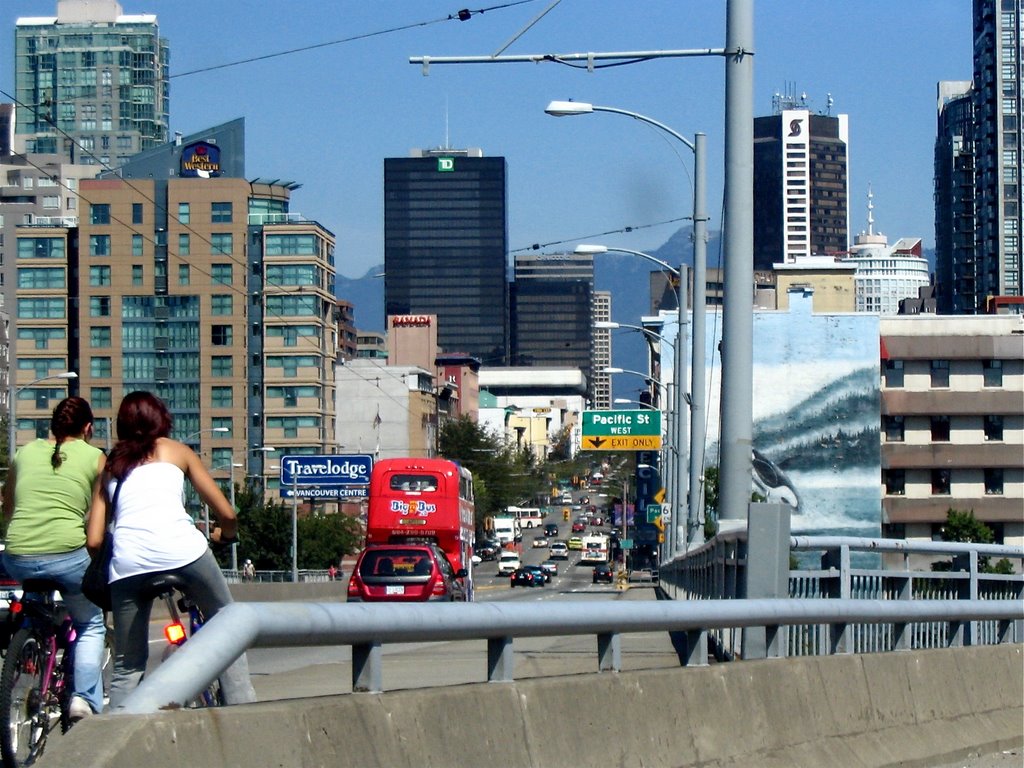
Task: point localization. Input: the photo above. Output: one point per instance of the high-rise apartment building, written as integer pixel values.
(445, 245)
(956, 289)
(200, 286)
(801, 185)
(91, 83)
(552, 314)
(978, 169)
(601, 388)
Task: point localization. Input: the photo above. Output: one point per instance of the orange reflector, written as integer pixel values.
(175, 633)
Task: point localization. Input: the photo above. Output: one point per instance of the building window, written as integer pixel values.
(184, 274)
(220, 213)
(994, 482)
(221, 304)
(221, 243)
(993, 371)
(221, 273)
(99, 367)
(40, 337)
(99, 213)
(36, 309)
(99, 336)
(220, 335)
(136, 245)
(184, 213)
(940, 429)
(940, 482)
(224, 422)
(220, 366)
(137, 274)
(184, 245)
(994, 428)
(100, 397)
(895, 482)
(99, 306)
(99, 245)
(940, 373)
(99, 276)
(894, 373)
(136, 213)
(222, 397)
(894, 429)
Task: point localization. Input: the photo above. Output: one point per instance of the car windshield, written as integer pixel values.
(394, 561)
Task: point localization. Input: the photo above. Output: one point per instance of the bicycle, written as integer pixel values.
(171, 589)
(37, 679)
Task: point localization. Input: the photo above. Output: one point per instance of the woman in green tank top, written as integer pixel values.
(48, 491)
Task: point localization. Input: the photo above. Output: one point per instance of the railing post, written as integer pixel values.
(902, 590)
(965, 632)
(609, 652)
(367, 665)
(840, 640)
(767, 574)
(499, 660)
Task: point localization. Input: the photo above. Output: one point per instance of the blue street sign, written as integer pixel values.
(329, 476)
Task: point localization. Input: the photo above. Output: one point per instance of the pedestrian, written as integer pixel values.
(331, 572)
(153, 533)
(249, 571)
(45, 498)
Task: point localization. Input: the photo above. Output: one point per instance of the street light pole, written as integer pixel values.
(693, 532)
(12, 395)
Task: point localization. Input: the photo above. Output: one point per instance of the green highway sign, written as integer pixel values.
(653, 512)
(621, 431)
(626, 544)
(622, 423)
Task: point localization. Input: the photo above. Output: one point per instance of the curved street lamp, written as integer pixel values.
(12, 419)
(694, 533)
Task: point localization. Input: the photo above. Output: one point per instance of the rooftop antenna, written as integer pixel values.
(828, 103)
(447, 145)
(871, 208)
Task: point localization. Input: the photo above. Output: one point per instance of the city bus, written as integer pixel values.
(528, 517)
(424, 500)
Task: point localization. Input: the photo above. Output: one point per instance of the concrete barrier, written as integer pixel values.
(909, 708)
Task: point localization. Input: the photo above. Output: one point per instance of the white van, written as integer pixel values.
(508, 561)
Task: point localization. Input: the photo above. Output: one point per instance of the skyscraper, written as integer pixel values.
(978, 168)
(801, 186)
(552, 312)
(998, 143)
(445, 245)
(91, 83)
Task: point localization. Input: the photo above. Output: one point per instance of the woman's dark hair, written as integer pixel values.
(70, 418)
(142, 418)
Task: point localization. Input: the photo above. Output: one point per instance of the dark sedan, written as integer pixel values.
(603, 572)
(523, 577)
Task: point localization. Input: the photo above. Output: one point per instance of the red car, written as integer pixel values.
(405, 573)
(578, 526)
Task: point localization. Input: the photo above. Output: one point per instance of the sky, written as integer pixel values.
(326, 117)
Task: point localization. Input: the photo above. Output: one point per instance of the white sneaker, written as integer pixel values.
(79, 709)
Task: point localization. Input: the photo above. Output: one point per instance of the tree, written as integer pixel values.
(964, 527)
(264, 529)
(710, 502)
(323, 539)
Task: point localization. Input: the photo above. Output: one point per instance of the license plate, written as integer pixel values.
(394, 589)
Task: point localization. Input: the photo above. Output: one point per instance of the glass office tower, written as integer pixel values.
(445, 244)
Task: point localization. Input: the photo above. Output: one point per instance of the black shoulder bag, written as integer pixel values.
(96, 579)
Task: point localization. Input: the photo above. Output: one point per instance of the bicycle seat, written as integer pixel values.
(160, 584)
(44, 586)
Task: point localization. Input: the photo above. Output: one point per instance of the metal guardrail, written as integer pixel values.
(366, 627)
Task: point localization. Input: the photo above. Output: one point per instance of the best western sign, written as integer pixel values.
(331, 476)
(621, 430)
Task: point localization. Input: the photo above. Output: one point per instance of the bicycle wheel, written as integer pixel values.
(25, 718)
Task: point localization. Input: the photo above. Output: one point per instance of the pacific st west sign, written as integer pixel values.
(621, 430)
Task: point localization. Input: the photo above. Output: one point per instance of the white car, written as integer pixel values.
(540, 541)
(558, 551)
(508, 562)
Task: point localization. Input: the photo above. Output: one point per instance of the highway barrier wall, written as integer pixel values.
(910, 708)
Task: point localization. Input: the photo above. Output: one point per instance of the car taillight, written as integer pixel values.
(439, 589)
(15, 607)
(353, 586)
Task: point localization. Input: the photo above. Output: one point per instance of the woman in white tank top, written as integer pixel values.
(153, 533)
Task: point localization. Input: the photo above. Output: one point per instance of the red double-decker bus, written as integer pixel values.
(415, 500)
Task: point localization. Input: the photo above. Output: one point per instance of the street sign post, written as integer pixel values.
(621, 430)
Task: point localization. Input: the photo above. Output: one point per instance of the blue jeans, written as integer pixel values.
(206, 585)
(67, 570)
